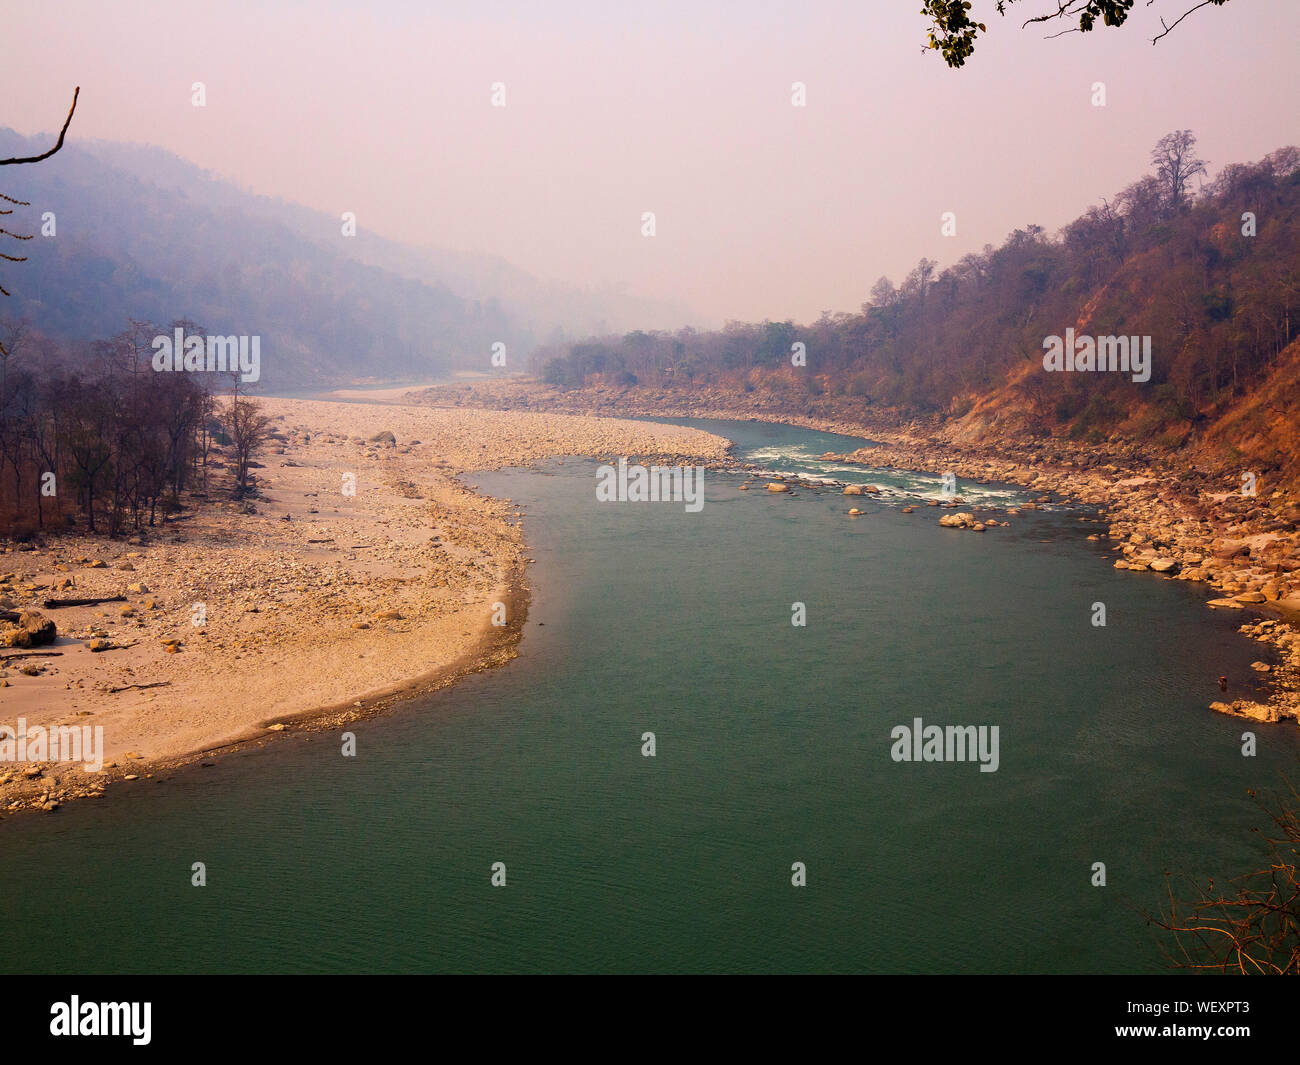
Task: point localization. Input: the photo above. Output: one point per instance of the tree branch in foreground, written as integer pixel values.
(62, 133)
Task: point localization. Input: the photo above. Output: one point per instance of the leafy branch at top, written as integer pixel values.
(953, 31)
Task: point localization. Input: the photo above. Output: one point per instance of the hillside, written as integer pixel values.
(1211, 277)
(141, 234)
(541, 309)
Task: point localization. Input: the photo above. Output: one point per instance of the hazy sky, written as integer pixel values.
(763, 210)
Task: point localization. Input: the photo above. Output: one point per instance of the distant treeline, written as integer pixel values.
(1211, 274)
(89, 433)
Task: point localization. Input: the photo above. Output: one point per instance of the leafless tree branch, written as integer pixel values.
(62, 133)
(1168, 28)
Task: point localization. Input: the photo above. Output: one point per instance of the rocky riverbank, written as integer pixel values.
(364, 570)
(1169, 513)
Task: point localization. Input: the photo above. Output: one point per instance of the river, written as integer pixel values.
(772, 747)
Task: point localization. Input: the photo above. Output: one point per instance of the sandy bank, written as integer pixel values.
(365, 569)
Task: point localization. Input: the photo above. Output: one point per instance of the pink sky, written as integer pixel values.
(763, 210)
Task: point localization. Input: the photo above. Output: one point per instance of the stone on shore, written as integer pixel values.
(1244, 708)
(33, 629)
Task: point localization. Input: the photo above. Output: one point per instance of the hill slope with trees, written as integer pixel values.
(1210, 274)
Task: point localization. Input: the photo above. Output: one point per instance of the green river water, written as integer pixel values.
(772, 747)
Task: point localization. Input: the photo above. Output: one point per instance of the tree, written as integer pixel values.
(249, 429)
(917, 283)
(86, 416)
(1141, 203)
(1254, 929)
(883, 293)
(953, 32)
(1176, 163)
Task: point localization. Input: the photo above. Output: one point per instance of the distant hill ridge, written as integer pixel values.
(141, 233)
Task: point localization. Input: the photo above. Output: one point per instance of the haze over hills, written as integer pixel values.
(1208, 277)
(143, 234)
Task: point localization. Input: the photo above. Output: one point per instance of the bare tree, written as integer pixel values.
(249, 429)
(1176, 163)
(1255, 927)
(883, 293)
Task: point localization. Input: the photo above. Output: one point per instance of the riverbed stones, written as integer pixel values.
(32, 629)
(1250, 710)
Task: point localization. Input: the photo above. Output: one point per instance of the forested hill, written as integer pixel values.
(126, 247)
(486, 283)
(139, 233)
(1211, 274)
